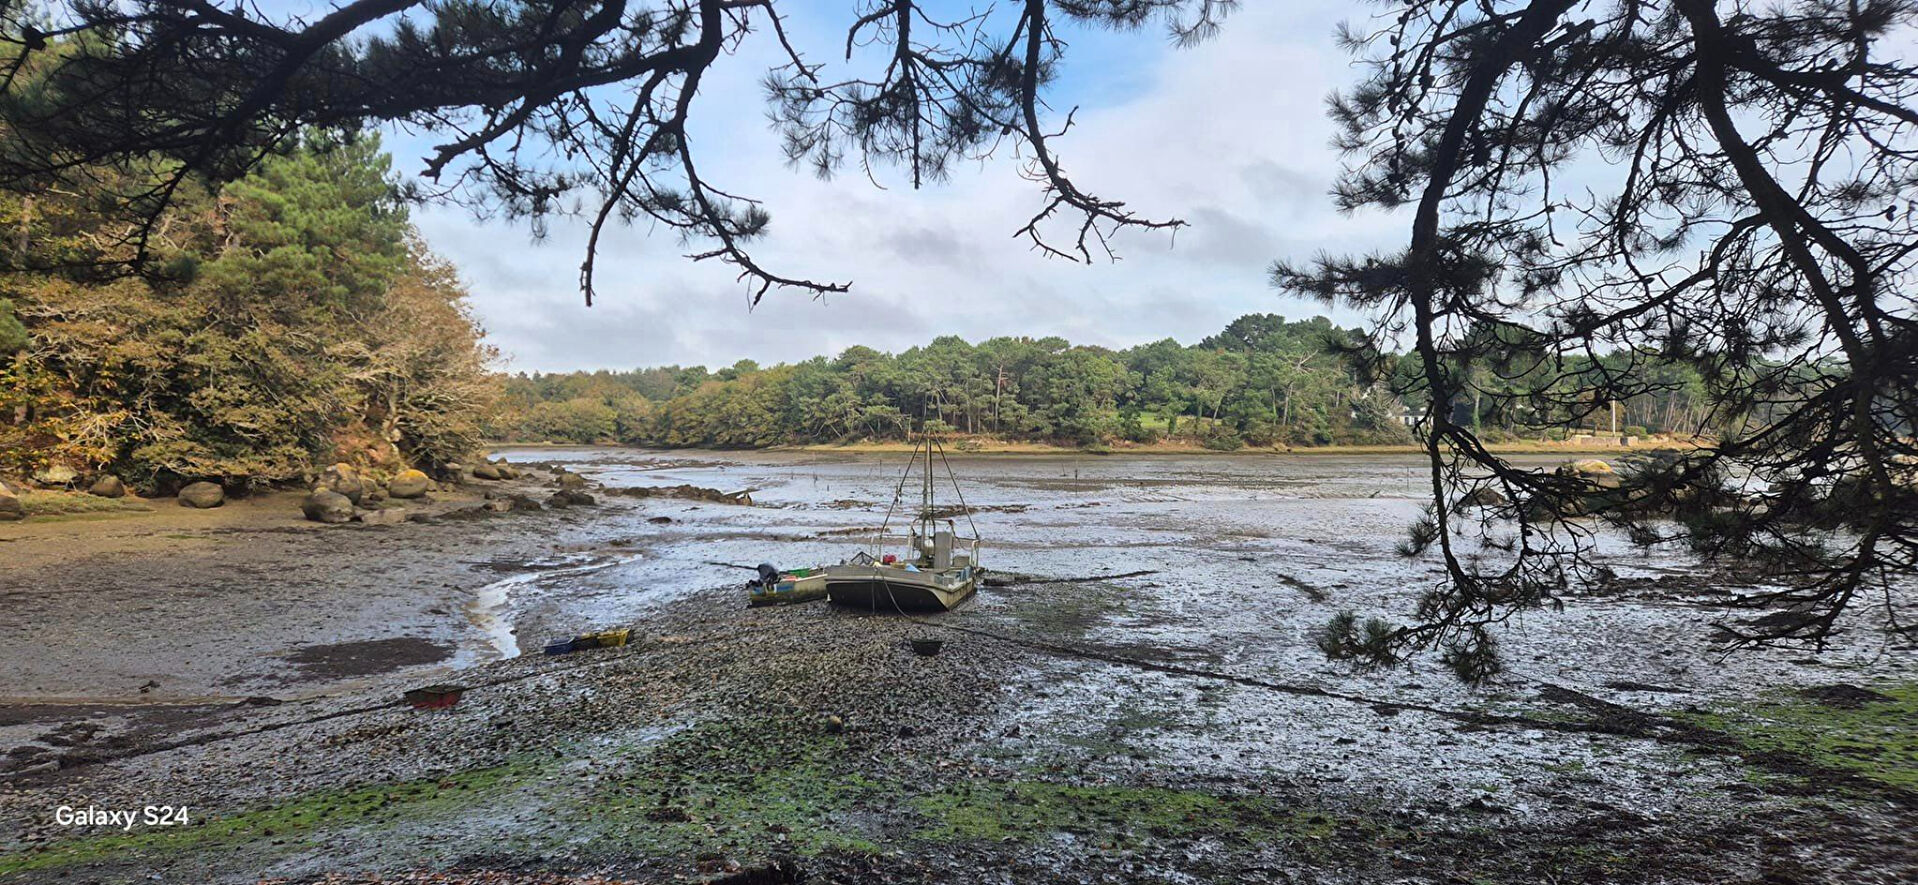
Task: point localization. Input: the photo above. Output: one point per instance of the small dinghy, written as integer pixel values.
(786, 588)
(939, 569)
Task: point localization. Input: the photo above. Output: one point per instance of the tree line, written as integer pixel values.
(1262, 381)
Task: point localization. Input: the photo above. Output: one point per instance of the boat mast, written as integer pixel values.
(925, 500)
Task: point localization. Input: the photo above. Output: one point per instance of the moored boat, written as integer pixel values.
(798, 585)
(940, 568)
(884, 587)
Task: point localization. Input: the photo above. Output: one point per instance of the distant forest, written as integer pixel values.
(1262, 381)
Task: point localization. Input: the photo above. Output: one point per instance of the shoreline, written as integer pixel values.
(258, 600)
(1156, 449)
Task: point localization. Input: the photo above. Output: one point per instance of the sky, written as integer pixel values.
(1230, 136)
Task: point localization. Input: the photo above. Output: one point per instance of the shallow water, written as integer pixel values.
(492, 608)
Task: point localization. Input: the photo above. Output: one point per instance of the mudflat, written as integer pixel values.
(1170, 722)
(176, 604)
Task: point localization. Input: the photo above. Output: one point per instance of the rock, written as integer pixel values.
(506, 470)
(570, 498)
(500, 506)
(11, 509)
(660, 520)
(55, 475)
(202, 495)
(383, 516)
(409, 484)
(327, 506)
(486, 470)
(835, 725)
(1595, 472)
(108, 486)
(571, 481)
(1843, 695)
(688, 492)
(343, 479)
(522, 502)
(1484, 496)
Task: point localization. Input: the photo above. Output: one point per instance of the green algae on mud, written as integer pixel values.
(274, 829)
(1875, 739)
(738, 787)
(1023, 810)
(725, 786)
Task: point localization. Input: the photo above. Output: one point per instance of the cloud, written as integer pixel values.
(1230, 136)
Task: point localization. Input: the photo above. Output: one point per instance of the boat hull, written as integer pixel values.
(789, 589)
(884, 589)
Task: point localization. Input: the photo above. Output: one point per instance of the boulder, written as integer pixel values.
(10, 508)
(506, 470)
(500, 506)
(342, 479)
(108, 486)
(570, 498)
(202, 495)
(522, 502)
(571, 481)
(383, 516)
(1483, 496)
(1595, 472)
(408, 484)
(486, 470)
(327, 506)
(55, 475)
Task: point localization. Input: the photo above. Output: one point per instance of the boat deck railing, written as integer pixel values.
(965, 550)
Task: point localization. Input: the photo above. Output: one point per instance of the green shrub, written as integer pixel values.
(13, 335)
(1220, 438)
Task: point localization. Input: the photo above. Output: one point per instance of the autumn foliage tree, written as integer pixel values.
(300, 320)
